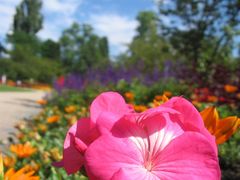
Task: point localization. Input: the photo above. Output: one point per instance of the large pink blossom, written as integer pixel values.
(105, 110)
(167, 142)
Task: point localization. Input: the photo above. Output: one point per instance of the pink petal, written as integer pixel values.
(105, 122)
(150, 131)
(189, 156)
(191, 119)
(133, 174)
(109, 102)
(107, 155)
(136, 140)
(79, 136)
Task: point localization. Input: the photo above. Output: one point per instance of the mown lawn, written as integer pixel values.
(5, 88)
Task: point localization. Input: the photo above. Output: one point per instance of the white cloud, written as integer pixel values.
(58, 15)
(7, 10)
(119, 29)
(61, 6)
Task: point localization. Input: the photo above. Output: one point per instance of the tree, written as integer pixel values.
(147, 24)
(148, 46)
(27, 22)
(50, 49)
(81, 49)
(28, 18)
(2, 50)
(202, 30)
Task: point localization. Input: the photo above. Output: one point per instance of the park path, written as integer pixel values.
(15, 106)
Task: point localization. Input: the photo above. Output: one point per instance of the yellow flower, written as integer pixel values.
(222, 129)
(230, 88)
(129, 96)
(1, 167)
(72, 120)
(22, 174)
(55, 154)
(70, 109)
(53, 119)
(23, 150)
(9, 161)
(42, 128)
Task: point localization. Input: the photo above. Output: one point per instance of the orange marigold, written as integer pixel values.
(129, 96)
(70, 109)
(167, 93)
(23, 174)
(140, 108)
(9, 161)
(53, 119)
(42, 101)
(230, 88)
(23, 150)
(212, 98)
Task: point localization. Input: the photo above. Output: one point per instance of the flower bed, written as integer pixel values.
(40, 141)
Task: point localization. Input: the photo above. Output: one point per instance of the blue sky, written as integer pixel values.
(112, 18)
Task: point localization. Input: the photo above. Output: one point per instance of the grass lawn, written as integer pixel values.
(5, 88)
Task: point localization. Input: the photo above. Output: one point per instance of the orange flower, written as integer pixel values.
(212, 98)
(23, 150)
(9, 161)
(70, 109)
(53, 119)
(140, 108)
(167, 93)
(23, 173)
(42, 101)
(222, 129)
(162, 98)
(129, 96)
(158, 100)
(230, 88)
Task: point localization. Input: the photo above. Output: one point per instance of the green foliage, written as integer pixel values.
(50, 49)
(147, 46)
(42, 70)
(230, 158)
(81, 49)
(23, 46)
(147, 24)
(28, 18)
(5, 88)
(203, 31)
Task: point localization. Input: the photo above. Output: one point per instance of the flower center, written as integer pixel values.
(148, 165)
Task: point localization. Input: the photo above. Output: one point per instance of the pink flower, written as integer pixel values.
(105, 110)
(167, 142)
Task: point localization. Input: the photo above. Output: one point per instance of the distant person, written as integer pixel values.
(4, 79)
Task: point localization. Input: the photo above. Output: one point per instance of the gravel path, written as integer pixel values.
(15, 106)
